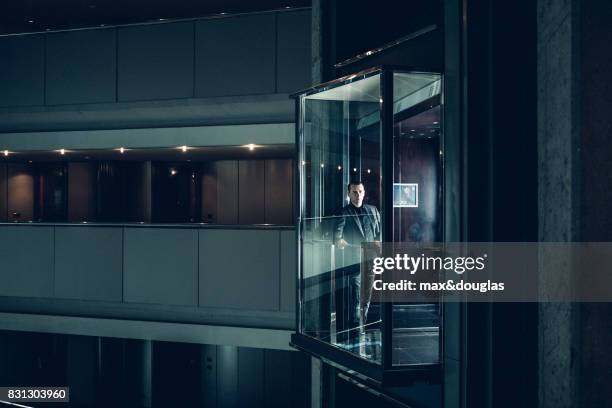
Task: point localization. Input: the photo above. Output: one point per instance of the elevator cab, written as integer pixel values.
(370, 166)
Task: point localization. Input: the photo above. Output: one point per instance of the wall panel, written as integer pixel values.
(227, 377)
(22, 72)
(294, 51)
(209, 376)
(88, 263)
(251, 376)
(288, 270)
(235, 56)
(160, 266)
(227, 191)
(279, 192)
(81, 192)
(27, 261)
(251, 192)
(209, 193)
(247, 281)
(81, 67)
(278, 380)
(155, 62)
(3, 192)
(20, 192)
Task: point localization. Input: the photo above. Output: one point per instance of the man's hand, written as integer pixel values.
(342, 243)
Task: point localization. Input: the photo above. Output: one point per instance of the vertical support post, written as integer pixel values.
(386, 123)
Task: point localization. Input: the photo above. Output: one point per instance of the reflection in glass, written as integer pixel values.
(417, 203)
(340, 176)
(50, 193)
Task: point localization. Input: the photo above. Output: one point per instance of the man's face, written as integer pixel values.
(356, 193)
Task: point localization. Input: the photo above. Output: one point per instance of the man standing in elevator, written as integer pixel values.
(357, 223)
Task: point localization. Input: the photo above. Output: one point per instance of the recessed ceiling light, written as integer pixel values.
(121, 150)
(354, 169)
(183, 148)
(287, 7)
(30, 21)
(161, 19)
(222, 13)
(62, 151)
(250, 146)
(6, 152)
(173, 172)
(322, 165)
(369, 171)
(339, 167)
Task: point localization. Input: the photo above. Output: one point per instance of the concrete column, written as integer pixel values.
(575, 163)
(557, 196)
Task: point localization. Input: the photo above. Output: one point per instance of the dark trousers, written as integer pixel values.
(353, 290)
(348, 304)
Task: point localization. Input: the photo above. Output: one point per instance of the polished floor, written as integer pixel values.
(410, 346)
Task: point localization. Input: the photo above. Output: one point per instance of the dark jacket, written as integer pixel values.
(354, 228)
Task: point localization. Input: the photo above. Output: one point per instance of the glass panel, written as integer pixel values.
(417, 203)
(340, 181)
(248, 185)
(50, 193)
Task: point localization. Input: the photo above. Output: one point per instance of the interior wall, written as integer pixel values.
(81, 192)
(104, 372)
(419, 159)
(3, 193)
(20, 192)
(136, 191)
(231, 192)
(144, 193)
(251, 191)
(159, 61)
(227, 192)
(279, 188)
(248, 192)
(176, 192)
(209, 192)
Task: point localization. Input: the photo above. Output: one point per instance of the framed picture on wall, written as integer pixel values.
(405, 195)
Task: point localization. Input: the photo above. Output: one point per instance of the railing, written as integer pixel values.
(214, 274)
